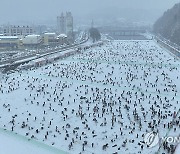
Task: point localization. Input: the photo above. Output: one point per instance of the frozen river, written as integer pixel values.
(101, 101)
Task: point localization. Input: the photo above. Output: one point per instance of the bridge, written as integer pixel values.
(123, 31)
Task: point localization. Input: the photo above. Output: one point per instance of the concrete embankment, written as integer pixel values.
(173, 50)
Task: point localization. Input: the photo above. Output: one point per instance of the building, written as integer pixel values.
(62, 39)
(65, 25)
(17, 42)
(32, 40)
(17, 30)
(61, 22)
(53, 40)
(10, 42)
(50, 39)
(69, 25)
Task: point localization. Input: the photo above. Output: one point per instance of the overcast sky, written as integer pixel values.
(43, 10)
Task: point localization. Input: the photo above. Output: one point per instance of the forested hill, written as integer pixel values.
(168, 25)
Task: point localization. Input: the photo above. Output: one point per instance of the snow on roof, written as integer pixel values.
(49, 33)
(8, 37)
(62, 35)
(33, 35)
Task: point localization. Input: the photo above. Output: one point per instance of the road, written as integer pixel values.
(41, 54)
(3, 64)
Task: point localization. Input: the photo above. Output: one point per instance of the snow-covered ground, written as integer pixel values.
(102, 101)
(178, 149)
(12, 143)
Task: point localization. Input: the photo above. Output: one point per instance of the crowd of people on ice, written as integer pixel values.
(101, 101)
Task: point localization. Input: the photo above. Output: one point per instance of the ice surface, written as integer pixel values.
(101, 101)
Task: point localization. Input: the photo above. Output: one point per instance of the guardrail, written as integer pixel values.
(62, 55)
